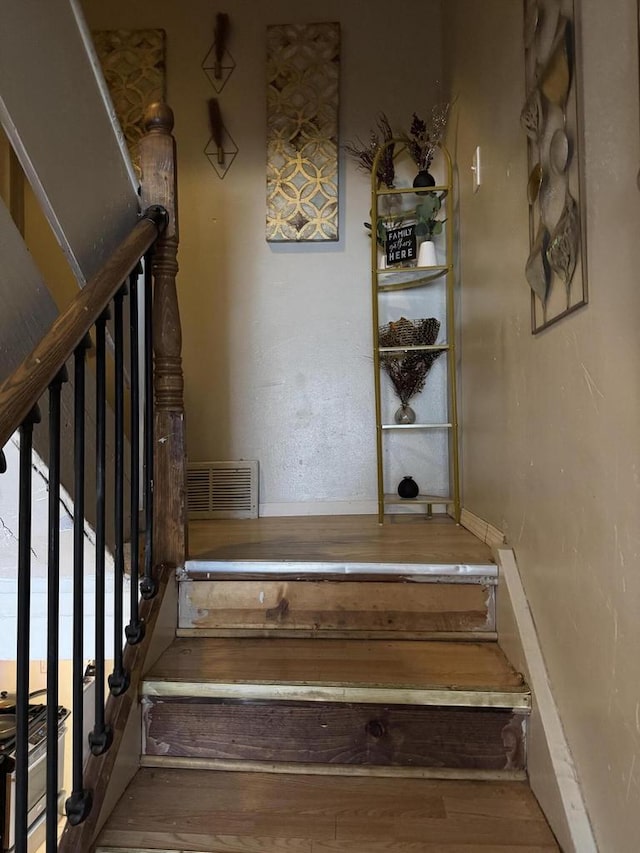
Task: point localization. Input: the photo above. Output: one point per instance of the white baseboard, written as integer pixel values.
(552, 774)
(319, 508)
(489, 534)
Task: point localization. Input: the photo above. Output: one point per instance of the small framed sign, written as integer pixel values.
(401, 245)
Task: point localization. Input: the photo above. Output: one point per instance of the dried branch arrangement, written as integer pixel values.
(421, 142)
(408, 372)
(365, 154)
(424, 137)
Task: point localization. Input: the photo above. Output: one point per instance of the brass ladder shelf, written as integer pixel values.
(404, 277)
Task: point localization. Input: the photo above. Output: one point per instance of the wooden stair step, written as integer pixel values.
(353, 670)
(175, 810)
(349, 703)
(386, 605)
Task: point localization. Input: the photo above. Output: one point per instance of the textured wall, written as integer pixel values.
(277, 344)
(551, 423)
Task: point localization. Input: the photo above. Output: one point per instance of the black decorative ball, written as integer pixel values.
(408, 488)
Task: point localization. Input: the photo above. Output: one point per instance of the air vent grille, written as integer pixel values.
(222, 489)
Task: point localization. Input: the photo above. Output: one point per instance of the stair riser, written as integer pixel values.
(332, 733)
(323, 607)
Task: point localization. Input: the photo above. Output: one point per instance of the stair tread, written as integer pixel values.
(226, 812)
(402, 665)
(344, 539)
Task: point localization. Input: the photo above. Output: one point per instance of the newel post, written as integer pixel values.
(158, 165)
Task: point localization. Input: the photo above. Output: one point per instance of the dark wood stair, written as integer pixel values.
(379, 703)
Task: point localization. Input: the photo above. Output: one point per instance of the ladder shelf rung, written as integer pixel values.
(416, 348)
(420, 499)
(417, 426)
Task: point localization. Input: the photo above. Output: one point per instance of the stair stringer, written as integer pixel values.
(552, 774)
(108, 775)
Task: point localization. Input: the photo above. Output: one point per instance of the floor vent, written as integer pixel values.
(222, 489)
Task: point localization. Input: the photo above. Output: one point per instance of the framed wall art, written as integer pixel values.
(303, 64)
(133, 64)
(556, 268)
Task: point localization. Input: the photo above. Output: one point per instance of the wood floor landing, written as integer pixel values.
(335, 544)
(216, 812)
(338, 670)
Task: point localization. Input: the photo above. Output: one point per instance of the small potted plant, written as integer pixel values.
(428, 226)
(427, 210)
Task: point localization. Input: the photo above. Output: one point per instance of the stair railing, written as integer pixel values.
(151, 249)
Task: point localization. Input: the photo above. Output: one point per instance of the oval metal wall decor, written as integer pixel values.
(551, 118)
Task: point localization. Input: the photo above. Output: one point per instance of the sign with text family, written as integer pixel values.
(401, 245)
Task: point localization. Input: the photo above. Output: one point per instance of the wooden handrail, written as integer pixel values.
(21, 391)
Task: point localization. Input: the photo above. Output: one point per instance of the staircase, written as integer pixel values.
(334, 706)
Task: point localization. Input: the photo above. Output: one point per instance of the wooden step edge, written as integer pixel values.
(206, 569)
(474, 636)
(128, 849)
(519, 698)
(240, 766)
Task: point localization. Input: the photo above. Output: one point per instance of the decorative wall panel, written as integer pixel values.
(303, 62)
(133, 64)
(556, 267)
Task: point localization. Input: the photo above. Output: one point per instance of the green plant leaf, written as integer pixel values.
(429, 207)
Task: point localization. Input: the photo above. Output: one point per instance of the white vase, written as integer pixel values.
(382, 259)
(427, 254)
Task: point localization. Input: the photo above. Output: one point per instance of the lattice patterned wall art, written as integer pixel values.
(303, 65)
(133, 63)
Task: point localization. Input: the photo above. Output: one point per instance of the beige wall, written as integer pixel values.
(551, 422)
(277, 343)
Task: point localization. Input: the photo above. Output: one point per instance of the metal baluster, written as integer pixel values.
(135, 629)
(7, 763)
(78, 805)
(101, 736)
(149, 586)
(24, 609)
(119, 678)
(53, 610)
